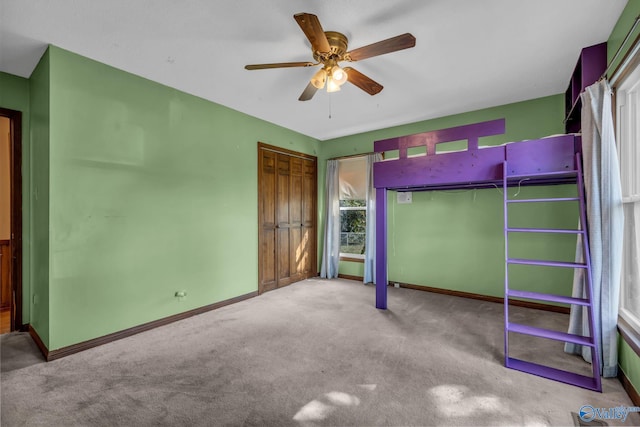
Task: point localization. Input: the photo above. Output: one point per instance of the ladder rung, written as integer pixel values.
(513, 293)
(552, 199)
(553, 374)
(546, 230)
(547, 333)
(546, 263)
(567, 173)
(515, 176)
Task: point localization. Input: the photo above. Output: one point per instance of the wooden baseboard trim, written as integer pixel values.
(518, 303)
(36, 338)
(488, 298)
(628, 387)
(85, 345)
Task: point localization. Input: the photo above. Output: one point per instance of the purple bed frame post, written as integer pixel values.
(381, 248)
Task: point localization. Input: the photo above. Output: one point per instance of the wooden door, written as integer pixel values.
(286, 214)
(283, 221)
(5, 275)
(308, 261)
(11, 242)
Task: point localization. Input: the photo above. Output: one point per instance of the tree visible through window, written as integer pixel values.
(353, 221)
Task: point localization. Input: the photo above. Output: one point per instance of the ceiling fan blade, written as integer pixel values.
(311, 27)
(279, 65)
(403, 41)
(356, 78)
(308, 92)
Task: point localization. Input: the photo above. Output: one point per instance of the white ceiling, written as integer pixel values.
(469, 54)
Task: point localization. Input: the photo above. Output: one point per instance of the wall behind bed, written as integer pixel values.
(453, 239)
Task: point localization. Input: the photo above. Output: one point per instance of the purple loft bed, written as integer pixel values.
(474, 167)
(551, 160)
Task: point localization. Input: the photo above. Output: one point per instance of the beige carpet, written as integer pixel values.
(313, 353)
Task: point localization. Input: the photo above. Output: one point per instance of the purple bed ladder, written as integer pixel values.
(589, 382)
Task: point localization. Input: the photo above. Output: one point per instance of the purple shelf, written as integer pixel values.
(545, 263)
(547, 333)
(565, 173)
(545, 230)
(547, 297)
(553, 199)
(554, 374)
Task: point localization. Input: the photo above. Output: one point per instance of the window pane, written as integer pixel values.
(352, 231)
(353, 177)
(627, 136)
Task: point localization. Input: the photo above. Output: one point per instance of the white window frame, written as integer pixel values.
(628, 144)
(353, 208)
(345, 255)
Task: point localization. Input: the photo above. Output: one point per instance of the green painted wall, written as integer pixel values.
(14, 95)
(628, 359)
(41, 123)
(454, 239)
(619, 33)
(152, 191)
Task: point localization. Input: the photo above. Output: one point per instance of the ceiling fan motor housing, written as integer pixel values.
(338, 43)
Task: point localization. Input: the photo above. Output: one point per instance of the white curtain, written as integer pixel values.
(331, 249)
(605, 220)
(370, 237)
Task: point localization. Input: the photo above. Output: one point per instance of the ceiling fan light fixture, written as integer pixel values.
(332, 86)
(338, 75)
(319, 79)
(329, 48)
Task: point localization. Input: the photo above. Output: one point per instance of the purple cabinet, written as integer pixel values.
(591, 65)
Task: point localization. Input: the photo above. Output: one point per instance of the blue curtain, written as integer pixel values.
(331, 248)
(370, 237)
(605, 225)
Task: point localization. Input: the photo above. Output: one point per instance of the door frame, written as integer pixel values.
(280, 150)
(15, 119)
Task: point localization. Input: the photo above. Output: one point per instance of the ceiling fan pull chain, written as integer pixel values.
(329, 106)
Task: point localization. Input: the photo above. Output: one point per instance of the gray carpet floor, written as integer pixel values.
(312, 354)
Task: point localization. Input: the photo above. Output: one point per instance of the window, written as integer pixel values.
(627, 136)
(353, 206)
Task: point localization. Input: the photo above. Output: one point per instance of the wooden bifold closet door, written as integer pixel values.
(287, 200)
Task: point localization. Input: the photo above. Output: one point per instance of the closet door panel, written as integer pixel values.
(269, 278)
(309, 185)
(295, 225)
(283, 220)
(267, 218)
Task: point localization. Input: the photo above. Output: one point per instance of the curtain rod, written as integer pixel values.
(351, 155)
(624, 42)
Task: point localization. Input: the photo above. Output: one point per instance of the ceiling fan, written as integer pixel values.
(328, 49)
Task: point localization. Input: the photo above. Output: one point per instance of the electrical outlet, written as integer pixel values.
(396, 285)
